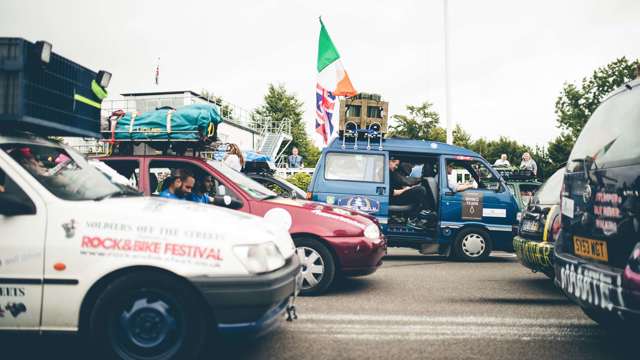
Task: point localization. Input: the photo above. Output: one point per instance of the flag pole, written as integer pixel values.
(447, 74)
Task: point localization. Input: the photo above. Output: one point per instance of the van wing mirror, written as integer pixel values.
(12, 206)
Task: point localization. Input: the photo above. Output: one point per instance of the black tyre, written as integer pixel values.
(148, 316)
(318, 266)
(472, 244)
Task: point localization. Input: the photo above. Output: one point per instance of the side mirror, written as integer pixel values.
(227, 201)
(12, 206)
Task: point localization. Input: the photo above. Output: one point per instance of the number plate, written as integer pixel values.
(590, 248)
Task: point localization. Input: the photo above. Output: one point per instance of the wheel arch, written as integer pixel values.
(324, 242)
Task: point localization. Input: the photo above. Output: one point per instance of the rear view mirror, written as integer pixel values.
(12, 206)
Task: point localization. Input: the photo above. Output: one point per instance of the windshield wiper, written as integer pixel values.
(270, 197)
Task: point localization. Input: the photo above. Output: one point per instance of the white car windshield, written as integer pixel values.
(64, 173)
(251, 187)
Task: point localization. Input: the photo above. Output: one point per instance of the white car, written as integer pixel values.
(143, 278)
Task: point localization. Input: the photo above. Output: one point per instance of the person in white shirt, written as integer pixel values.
(452, 182)
(529, 164)
(503, 161)
(234, 158)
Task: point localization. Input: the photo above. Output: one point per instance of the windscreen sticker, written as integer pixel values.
(606, 210)
(360, 203)
(500, 213)
(472, 205)
(567, 207)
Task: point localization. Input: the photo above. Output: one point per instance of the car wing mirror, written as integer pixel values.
(12, 206)
(227, 201)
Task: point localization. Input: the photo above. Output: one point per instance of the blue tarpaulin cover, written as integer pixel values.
(191, 123)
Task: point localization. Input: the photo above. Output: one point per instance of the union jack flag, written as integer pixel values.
(325, 102)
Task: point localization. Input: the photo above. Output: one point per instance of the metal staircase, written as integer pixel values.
(274, 135)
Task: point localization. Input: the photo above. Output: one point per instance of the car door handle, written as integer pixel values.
(380, 190)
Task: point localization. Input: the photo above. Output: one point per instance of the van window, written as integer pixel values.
(611, 134)
(471, 172)
(354, 167)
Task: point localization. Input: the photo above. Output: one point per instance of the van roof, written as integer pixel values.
(405, 145)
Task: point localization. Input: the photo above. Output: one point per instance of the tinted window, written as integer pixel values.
(354, 167)
(65, 173)
(611, 135)
(549, 193)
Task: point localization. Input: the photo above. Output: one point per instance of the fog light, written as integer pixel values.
(44, 49)
(104, 78)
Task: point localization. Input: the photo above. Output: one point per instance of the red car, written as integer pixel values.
(331, 241)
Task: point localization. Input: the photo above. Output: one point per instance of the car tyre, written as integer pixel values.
(318, 266)
(148, 315)
(472, 244)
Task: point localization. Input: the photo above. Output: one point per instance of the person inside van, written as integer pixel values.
(179, 185)
(452, 181)
(404, 193)
(201, 190)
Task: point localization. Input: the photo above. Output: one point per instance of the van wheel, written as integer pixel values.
(146, 316)
(472, 245)
(318, 266)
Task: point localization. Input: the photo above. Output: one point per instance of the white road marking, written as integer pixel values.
(418, 328)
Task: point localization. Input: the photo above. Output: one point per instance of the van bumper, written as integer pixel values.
(251, 305)
(535, 255)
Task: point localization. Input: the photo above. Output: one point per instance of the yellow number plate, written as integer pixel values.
(590, 248)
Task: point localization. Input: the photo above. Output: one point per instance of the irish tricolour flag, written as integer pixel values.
(332, 81)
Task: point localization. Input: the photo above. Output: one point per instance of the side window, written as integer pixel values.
(10, 188)
(203, 183)
(354, 167)
(472, 172)
(275, 187)
(129, 170)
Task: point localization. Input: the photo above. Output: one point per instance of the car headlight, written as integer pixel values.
(372, 232)
(259, 258)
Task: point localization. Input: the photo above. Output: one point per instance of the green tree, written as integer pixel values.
(281, 105)
(421, 123)
(576, 103)
(226, 109)
(461, 137)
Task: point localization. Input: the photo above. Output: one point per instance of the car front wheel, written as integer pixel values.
(472, 245)
(146, 316)
(317, 266)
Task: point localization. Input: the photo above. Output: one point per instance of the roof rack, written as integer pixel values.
(353, 134)
(514, 173)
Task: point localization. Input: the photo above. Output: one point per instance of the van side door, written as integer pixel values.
(357, 180)
(487, 202)
(23, 218)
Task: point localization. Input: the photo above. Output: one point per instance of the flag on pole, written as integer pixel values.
(158, 72)
(332, 81)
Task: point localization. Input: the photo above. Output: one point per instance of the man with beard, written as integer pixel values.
(201, 191)
(179, 185)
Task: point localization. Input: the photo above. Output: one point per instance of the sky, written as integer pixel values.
(509, 59)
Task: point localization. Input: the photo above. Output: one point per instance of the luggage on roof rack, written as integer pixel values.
(48, 94)
(188, 127)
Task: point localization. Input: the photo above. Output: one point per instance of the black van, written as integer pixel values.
(597, 255)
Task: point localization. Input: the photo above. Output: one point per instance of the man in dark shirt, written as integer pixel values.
(404, 192)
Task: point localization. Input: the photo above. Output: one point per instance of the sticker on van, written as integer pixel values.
(472, 205)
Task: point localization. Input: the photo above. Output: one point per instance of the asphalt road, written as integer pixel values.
(417, 307)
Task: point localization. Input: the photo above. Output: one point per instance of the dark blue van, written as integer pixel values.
(434, 197)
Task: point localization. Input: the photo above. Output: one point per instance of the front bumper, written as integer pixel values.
(535, 255)
(596, 286)
(358, 256)
(251, 304)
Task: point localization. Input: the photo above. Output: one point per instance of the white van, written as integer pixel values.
(142, 277)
